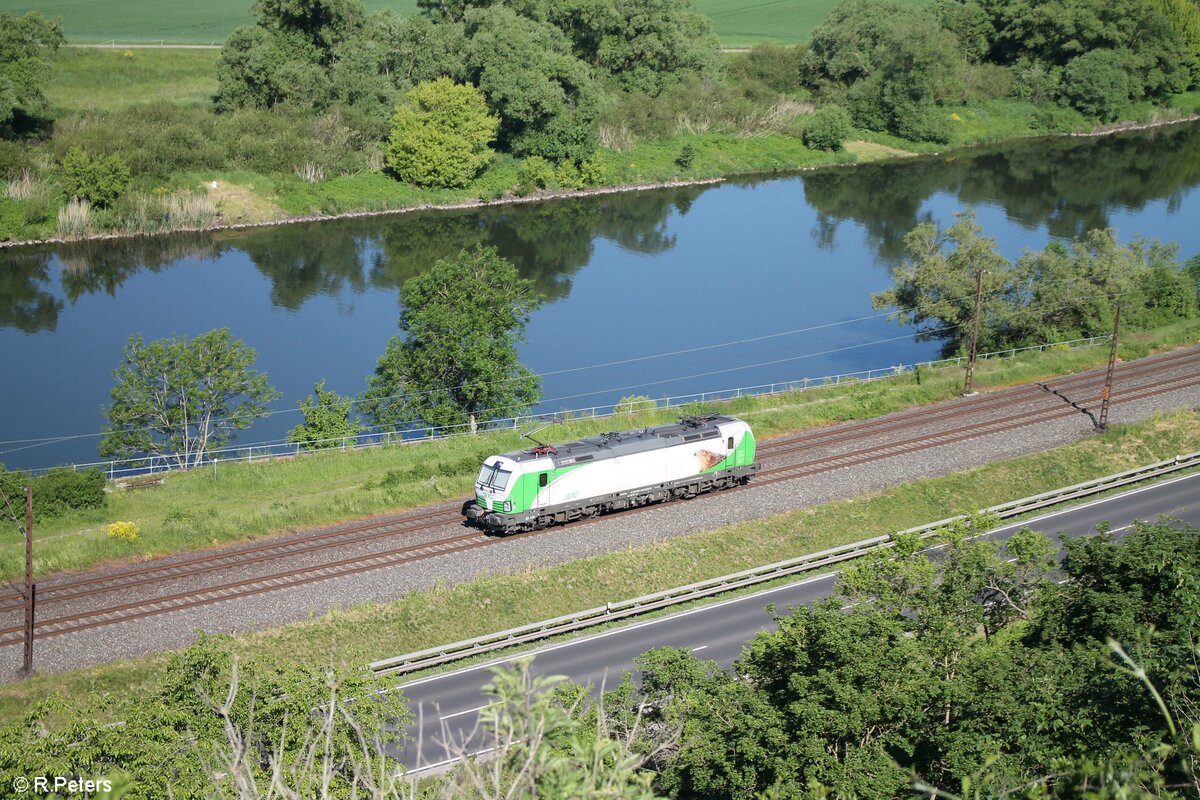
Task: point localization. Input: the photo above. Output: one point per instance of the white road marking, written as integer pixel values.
(826, 576)
(468, 711)
(698, 649)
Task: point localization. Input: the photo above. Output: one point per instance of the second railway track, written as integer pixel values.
(84, 587)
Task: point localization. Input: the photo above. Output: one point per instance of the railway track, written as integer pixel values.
(58, 592)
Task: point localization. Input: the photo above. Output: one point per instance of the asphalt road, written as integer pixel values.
(446, 706)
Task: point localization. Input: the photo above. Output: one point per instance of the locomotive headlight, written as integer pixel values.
(508, 505)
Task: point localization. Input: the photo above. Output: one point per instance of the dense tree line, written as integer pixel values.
(541, 66)
(893, 63)
(1067, 291)
(969, 672)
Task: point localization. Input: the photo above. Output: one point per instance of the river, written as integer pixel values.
(639, 275)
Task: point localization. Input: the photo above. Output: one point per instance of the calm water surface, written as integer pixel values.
(625, 276)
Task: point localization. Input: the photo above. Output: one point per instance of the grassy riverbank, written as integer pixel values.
(357, 635)
(239, 501)
(266, 167)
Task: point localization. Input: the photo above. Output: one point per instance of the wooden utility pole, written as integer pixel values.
(29, 587)
(1106, 392)
(974, 332)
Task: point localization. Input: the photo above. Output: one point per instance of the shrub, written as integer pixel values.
(779, 67)
(12, 220)
(687, 156)
(827, 128)
(60, 491)
(63, 490)
(1097, 83)
(126, 531)
(536, 173)
(99, 180)
(440, 135)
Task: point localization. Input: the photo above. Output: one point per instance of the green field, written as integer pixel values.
(85, 78)
(738, 23)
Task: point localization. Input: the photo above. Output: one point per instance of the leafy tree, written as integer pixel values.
(440, 135)
(648, 44)
(1054, 32)
(308, 53)
(327, 420)
(98, 179)
(456, 360)
(892, 61)
(1184, 18)
(180, 398)
(545, 96)
(936, 289)
(414, 49)
(24, 41)
(827, 128)
(318, 25)
(212, 721)
(1097, 84)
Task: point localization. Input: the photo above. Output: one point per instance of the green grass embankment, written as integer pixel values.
(85, 79)
(239, 501)
(446, 614)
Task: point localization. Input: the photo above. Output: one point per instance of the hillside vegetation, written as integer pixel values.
(304, 102)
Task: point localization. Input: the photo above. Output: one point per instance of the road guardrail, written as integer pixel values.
(537, 631)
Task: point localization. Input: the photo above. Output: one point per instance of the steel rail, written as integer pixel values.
(417, 552)
(977, 404)
(610, 612)
(204, 563)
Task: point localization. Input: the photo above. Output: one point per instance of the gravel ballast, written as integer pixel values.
(176, 629)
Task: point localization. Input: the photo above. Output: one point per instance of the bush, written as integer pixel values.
(1056, 119)
(687, 156)
(1097, 83)
(780, 68)
(60, 491)
(12, 220)
(827, 128)
(440, 135)
(63, 490)
(535, 173)
(99, 180)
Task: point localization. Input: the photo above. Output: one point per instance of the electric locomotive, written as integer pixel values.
(552, 484)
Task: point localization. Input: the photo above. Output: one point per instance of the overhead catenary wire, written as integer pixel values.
(924, 333)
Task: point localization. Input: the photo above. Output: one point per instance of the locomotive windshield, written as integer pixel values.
(492, 477)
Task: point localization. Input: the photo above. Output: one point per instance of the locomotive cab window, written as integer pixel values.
(544, 479)
(729, 445)
(492, 477)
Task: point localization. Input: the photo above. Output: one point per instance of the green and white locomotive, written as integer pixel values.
(553, 484)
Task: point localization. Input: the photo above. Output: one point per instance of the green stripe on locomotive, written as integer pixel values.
(742, 455)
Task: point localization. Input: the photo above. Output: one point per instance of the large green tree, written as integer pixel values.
(179, 398)
(935, 290)
(455, 362)
(310, 54)
(1062, 292)
(545, 96)
(440, 136)
(892, 63)
(24, 42)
